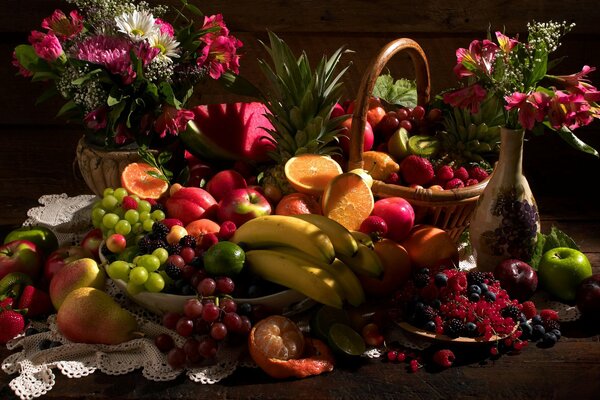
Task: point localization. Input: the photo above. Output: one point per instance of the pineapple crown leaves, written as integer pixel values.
(301, 100)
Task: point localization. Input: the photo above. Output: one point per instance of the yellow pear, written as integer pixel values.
(76, 274)
(89, 315)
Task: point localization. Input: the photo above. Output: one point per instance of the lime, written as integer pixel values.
(345, 341)
(224, 258)
(324, 318)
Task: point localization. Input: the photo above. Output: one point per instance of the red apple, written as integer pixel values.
(91, 242)
(190, 203)
(241, 205)
(224, 182)
(345, 136)
(588, 296)
(61, 256)
(337, 111)
(517, 278)
(398, 214)
(20, 256)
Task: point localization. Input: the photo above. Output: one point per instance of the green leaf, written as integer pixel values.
(68, 107)
(194, 10)
(239, 85)
(556, 238)
(43, 76)
(568, 136)
(49, 93)
(163, 158)
(86, 77)
(112, 101)
(538, 251)
(167, 91)
(402, 92)
(27, 57)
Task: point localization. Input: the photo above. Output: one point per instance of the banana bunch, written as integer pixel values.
(309, 253)
(471, 137)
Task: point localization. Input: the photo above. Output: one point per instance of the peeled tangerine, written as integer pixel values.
(279, 348)
(89, 315)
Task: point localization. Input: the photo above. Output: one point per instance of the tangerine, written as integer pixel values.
(201, 227)
(348, 200)
(279, 348)
(429, 246)
(136, 179)
(298, 203)
(310, 173)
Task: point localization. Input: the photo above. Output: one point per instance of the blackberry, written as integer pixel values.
(155, 244)
(173, 271)
(160, 230)
(454, 327)
(188, 241)
(511, 311)
(174, 248)
(550, 325)
(144, 245)
(424, 314)
(478, 277)
(421, 280)
(157, 206)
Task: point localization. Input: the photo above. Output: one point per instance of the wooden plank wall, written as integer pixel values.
(41, 147)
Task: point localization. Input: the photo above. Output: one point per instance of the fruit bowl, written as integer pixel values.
(461, 339)
(286, 302)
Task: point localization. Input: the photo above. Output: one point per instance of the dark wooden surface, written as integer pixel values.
(38, 152)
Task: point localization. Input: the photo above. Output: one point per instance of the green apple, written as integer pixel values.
(42, 236)
(561, 270)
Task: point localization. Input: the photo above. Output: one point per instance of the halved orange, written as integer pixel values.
(136, 180)
(310, 173)
(279, 348)
(348, 200)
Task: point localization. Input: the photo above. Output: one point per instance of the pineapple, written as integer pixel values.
(300, 102)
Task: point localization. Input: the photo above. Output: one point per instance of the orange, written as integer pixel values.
(136, 179)
(298, 203)
(201, 227)
(397, 269)
(348, 200)
(379, 165)
(430, 247)
(310, 173)
(279, 348)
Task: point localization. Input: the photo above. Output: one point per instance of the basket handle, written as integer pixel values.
(367, 84)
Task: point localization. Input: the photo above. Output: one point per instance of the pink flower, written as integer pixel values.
(532, 108)
(479, 57)
(96, 119)
(468, 97)
(110, 52)
(146, 53)
(46, 46)
(220, 56)
(214, 27)
(506, 44)
(22, 70)
(577, 83)
(61, 26)
(172, 121)
(123, 135)
(570, 110)
(165, 27)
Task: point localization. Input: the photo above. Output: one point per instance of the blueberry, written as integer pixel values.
(549, 339)
(436, 303)
(419, 306)
(522, 318)
(474, 297)
(430, 326)
(424, 271)
(475, 289)
(556, 333)
(188, 290)
(527, 330)
(244, 309)
(471, 329)
(483, 287)
(441, 279)
(536, 320)
(538, 332)
(490, 296)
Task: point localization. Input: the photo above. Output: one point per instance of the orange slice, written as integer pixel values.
(310, 173)
(348, 200)
(279, 348)
(136, 180)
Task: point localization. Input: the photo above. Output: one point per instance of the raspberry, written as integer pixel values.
(529, 309)
(416, 170)
(458, 283)
(454, 183)
(471, 182)
(129, 203)
(227, 230)
(188, 241)
(549, 314)
(393, 178)
(461, 173)
(374, 224)
(445, 173)
(444, 358)
(478, 173)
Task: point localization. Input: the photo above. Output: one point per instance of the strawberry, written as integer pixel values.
(36, 301)
(6, 303)
(478, 173)
(11, 324)
(529, 309)
(129, 203)
(444, 358)
(417, 170)
(462, 174)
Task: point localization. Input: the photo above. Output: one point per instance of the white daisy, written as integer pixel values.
(165, 43)
(138, 25)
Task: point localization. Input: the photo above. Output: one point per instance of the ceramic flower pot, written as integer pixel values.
(101, 168)
(505, 222)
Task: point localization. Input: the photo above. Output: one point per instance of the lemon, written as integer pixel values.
(224, 258)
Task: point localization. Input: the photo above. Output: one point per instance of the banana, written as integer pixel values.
(341, 238)
(365, 262)
(280, 230)
(363, 238)
(296, 273)
(352, 290)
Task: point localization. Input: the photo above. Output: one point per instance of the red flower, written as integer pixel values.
(172, 121)
(22, 70)
(479, 57)
(220, 56)
(165, 27)
(46, 46)
(61, 26)
(570, 110)
(215, 27)
(532, 108)
(468, 97)
(96, 119)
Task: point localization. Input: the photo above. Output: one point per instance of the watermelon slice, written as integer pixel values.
(231, 131)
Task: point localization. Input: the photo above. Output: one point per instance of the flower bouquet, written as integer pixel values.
(124, 70)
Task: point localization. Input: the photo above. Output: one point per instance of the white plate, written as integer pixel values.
(287, 302)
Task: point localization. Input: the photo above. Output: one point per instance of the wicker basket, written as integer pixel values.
(448, 209)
